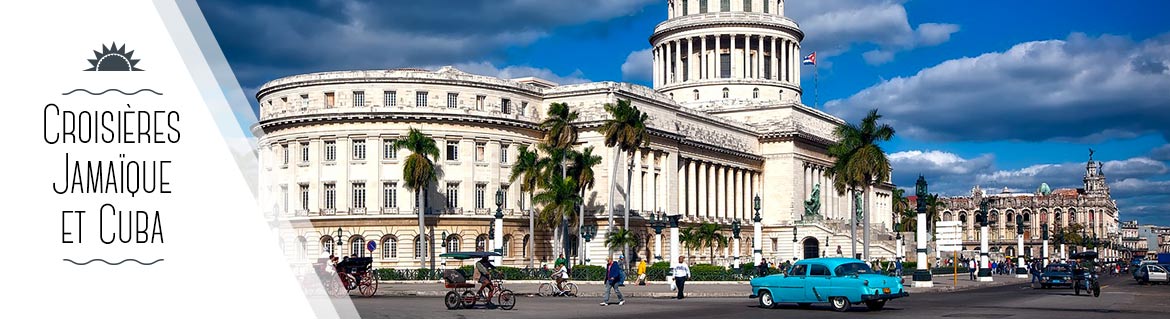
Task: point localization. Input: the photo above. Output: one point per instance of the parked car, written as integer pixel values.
(841, 282)
(1057, 275)
(1152, 274)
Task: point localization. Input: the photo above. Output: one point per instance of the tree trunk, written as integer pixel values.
(422, 231)
(612, 190)
(580, 224)
(852, 225)
(531, 231)
(629, 195)
(865, 222)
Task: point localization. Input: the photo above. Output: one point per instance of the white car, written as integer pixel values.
(1154, 274)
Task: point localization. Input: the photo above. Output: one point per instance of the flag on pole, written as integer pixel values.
(811, 59)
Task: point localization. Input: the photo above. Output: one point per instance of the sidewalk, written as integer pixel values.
(660, 289)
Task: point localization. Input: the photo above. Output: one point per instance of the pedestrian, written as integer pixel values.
(898, 268)
(973, 265)
(839, 254)
(641, 272)
(681, 273)
(613, 275)
(761, 269)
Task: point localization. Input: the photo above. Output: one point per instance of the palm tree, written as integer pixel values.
(527, 170)
(558, 200)
(859, 162)
(709, 235)
(626, 129)
(620, 238)
(687, 238)
(418, 172)
(900, 205)
(560, 131)
(582, 171)
(934, 207)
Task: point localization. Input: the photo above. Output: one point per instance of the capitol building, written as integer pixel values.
(726, 124)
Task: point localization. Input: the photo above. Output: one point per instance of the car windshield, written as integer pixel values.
(798, 270)
(853, 269)
(1057, 268)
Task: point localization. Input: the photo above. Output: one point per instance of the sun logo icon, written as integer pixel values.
(113, 58)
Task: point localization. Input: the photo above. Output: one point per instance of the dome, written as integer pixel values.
(1044, 189)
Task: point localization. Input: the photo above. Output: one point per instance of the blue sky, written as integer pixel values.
(990, 93)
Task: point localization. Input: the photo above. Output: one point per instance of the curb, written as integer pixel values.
(651, 295)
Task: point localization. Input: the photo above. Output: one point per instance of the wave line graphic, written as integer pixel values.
(112, 264)
(108, 90)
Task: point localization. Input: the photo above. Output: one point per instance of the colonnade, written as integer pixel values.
(738, 56)
(716, 192)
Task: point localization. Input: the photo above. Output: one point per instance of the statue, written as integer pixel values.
(812, 206)
(857, 206)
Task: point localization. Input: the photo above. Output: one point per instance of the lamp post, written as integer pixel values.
(735, 246)
(658, 221)
(673, 223)
(1044, 236)
(795, 246)
(984, 272)
(443, 248)
(900, 250)
(498, 236)
(757, 235)
(587, 233)
(337, 248)
(1021, 272)
(922, 277)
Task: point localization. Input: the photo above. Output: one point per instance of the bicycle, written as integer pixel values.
(550, 289)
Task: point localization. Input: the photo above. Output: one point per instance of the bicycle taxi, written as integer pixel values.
(1085, 274)
(463, 294)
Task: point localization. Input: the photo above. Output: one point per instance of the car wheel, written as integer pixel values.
(839, 304)
(875, 305)
(766, 300)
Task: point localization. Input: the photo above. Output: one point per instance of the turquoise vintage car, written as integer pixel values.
(841, 282)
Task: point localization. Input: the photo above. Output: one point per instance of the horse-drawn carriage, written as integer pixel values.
(347, 275)
(463, 294)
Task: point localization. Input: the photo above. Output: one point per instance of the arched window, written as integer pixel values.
(524, 247)
(726, 93)
(756, 93)
(357, 246)
(418, 247)
(326, 245)
(696, 92)
(507, 245)
(481, 243)
(963, 219)
(1009, 217)
(302, 251)
(389, 248)
(947, 216)
(452, 243)
(1072, 216)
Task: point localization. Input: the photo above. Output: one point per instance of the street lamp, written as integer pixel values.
(337, 248)
(735, 234)
(981, 216)
(498, 236)
(922, 277)
(587, 232)
(658, 222)
(1044, 237)
(757, 235)
(1021, 272)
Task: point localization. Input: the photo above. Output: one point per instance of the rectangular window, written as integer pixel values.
(359, 98)
(389, 195)
(452, 195)
(775, 245)
(479, 102)
(420, 99)
(503, 153)
(330, 151)
(725, 65)
(766, 5)
(702, 6)
(283, 197)
(452, 100)
(304, 101)
(724, 5)
(330, 196)
(480, 190)
(328, 99)
(685, 75)
(305, 197)
(390, 98)
(523, 107)
(506, 106)
(768, 67)
(505, 195)
(284, 149)
(304, 152)
(747, 5)
(388, 149)
(684, 7)
(453, 150)
(359, 149)
(359, 195)
(479, 151)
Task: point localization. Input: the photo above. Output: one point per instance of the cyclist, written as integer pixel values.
(483, 269)
(560, 276)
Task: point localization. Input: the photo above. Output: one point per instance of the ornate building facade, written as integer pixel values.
(1089, 207)
(725, 121)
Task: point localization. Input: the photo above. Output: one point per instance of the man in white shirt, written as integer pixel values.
(681, 272)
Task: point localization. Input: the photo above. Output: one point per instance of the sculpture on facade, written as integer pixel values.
(812, 206)
(857, 206)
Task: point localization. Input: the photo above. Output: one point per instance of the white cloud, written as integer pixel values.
(1078, 89)
(513, 71)
(639, 66)
(833, 27)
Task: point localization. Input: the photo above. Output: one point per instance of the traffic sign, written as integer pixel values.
(371, 246)
(948, 235)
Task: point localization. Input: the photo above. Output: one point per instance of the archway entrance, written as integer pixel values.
(812, 248)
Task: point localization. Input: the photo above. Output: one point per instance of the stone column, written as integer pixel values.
(774, 75)
(760, 57)
(497, 240)
(704, 71)
(717, 55)
(1021, 272)
(737, 212)
(735, 258)
(757, 239)
(680, 176)
(678, 66)
(673, 220)
(1044, 252)
(745, 66)
(796, 63)
(692, 188)
(658, 244)
(984, 260)
(922, 273)
(703, 205)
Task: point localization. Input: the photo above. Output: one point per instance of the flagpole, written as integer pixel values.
(816, 88)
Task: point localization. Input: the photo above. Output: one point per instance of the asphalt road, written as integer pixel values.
(1120, 298)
